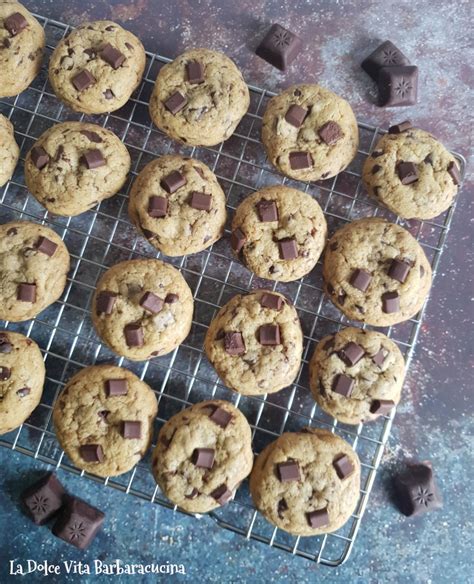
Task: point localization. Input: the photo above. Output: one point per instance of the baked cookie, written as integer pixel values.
(104, 418)
(411, 173)
(9, 151)
(142, 308)
(376, 272)
(73, 166)
(97, 67)
(21, 48)
(202, 455)
(178, 205)
(309, 133)
(306, 482)
(34, 263)
(22, 375)
(199, 98)
(255, 342)
(356, 375)
(279, 233)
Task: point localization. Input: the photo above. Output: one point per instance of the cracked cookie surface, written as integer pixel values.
(297, 487)
(34, 263)
(376, 272)
(260, 365)
(210, 109)
(142, 308)
(22, 375)
(371, 359)
(202, 455)
(58, 174)
(9, 151)
(184, 225)
(324, 129)
(105, 428)
(110, 78)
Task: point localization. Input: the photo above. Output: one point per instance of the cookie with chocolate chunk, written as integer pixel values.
(202, 455)
(9, 151)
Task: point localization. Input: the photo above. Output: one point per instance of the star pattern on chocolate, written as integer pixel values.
(390, 57)
(423, 497)
(39, 503)
(281, 38)
(403, 87)
(77, 530)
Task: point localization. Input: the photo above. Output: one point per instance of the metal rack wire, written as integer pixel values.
(104, 236)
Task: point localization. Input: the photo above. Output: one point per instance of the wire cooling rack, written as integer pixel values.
(104, 236)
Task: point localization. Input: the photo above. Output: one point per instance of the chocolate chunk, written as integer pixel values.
(93, 159)
(83, 80)
(194, 72)
(26, 292)
(385, 55)
(221, 417)
(108, 94)
(201, 201)
(46, 246)
(23, 392)
(5, 373)
(351, 354)
(5, 345)
(343, 385)
(174, 181)
(78, 523)
(399, 128)
(267, 210)
(269, 335)
(377, 153)
(329, 344)
(416, 489)
(131, 430)
(15, 23)
(428, 159)
(381, 406)
(175, 103)
(399, 270)
(289, 471)
(103, 415)
(43, 498)
(112, 56)
(318, 519)
(379, 357)
(91, 452)
(360, 279)
(279, 47)
(193, 494)
(296, 115)
(398, 86)
(390, 302)
(237, 239)
(39, 157)
(376, 168)
(134, 335)
(105, 302)
(151, 302)
(222, 494)
(407, 172)
(92, 136)
(330, 133)
(203, 457)
(282, 507)
(300, 160)
(343, 466)
(171, 298)
(454, 173)
(12, 231)
(157, 206)
(234, 343)
(115, 387)
(288, 249)
(272, 301)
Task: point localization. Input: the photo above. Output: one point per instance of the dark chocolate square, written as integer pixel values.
(78, 523)
(398, 86)
(279, 47)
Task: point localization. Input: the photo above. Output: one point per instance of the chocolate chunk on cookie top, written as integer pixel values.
(279, 47)
(194, 72)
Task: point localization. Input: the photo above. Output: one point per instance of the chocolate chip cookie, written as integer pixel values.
(21, 48)
(306, 482)
(411, 173)
(356, 375)
(96, 68)
(34, 263)
(255, 342)
(279, 233)
(202, 455)
(199, 98)
(142, 308)
(104, 418)
(9, 151)
(376, 272)
(309, 133)
(178, 205)
(22, 375)
(75, 165)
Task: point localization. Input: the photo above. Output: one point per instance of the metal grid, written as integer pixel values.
(102, 237)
